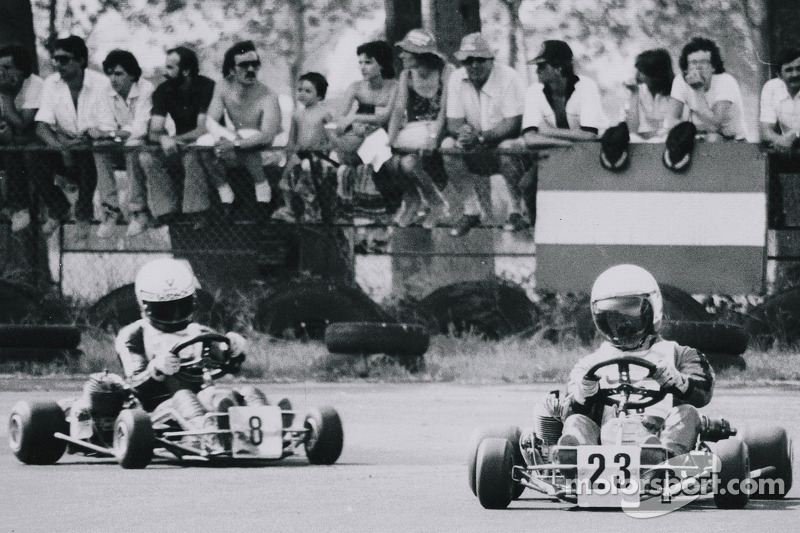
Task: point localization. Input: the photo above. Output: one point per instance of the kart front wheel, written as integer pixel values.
(512, 434)
(31, 430)
(495, 486)
(770, 446)
(133, 439)
(734, 471)
(325, 437)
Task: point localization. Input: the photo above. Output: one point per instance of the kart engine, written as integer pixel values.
(713, 430)
(547, 421)
(105, 394)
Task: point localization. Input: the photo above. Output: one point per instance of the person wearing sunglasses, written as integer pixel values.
(243, 118)
(484, 109)
(69, 117)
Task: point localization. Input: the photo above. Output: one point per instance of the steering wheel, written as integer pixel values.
(620, 395)
(205, 359)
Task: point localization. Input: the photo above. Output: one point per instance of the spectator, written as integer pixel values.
(185, 97)
(780, 117)
(306, 153)
(20, 94)
(711, 95)
(68, 118)
(648, 108)
(484, 108)
(365, 108)
(417, 123)
(128, 105)
(252, 118)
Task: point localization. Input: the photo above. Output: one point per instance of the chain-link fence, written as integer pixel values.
(72, 218)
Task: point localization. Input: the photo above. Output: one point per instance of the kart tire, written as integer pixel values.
(494, 484)
(34, 336)
(119, 308)
(134, 439)
(510, 433)
(253, 396)
(304, 311)
(680, 305)
(325, 439)
(734, 465)
(770, 446)
(377, 337)
(31, 429)
(707, 337)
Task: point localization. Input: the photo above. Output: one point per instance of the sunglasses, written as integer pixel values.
(62, 60)
(244, 65)
(478, 60)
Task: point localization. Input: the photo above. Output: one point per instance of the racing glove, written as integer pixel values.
(586, 389)
(669, 377)
(164, 364)
(237, 343)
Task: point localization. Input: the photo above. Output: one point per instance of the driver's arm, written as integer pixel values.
(575, 385)
(698, 372)
(129, 345)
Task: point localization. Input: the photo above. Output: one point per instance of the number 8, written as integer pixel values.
(256, 435)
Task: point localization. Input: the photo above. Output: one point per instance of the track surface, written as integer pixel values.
(403, 469)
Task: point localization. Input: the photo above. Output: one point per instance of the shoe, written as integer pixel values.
(516, 222)
(20, 220)
(436, 214)
(109, 222)
(225, 194)
(407, 214)
(567, 457)
(284, 214)
(466, 223)
(139, 222)
(50, 226)
(263, 192)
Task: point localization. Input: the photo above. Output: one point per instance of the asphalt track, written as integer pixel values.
(403, 469)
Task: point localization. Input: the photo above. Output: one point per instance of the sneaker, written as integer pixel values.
(437, 214)
(50, 226)
(263, 192)
(109, 222)
(466, 223)
(516, 222)
(284, 214)
(225, 194)
(20, 220)
(139, 222)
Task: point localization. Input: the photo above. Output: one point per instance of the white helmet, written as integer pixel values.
(626, 305)
(165, 289)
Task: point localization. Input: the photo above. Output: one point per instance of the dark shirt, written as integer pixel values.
(422, 108)
(183, 106)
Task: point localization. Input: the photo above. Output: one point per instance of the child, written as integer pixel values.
(306, 152)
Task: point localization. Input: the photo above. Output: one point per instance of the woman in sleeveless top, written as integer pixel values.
(417, 126)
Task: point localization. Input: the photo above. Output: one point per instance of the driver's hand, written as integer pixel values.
(586, 389)
(167, 363)
(238, 343)
(668, 377)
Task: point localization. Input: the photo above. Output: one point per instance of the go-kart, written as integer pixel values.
(628, 474)
(109, 421)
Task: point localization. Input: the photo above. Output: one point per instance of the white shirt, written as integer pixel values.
(501, 97)
(131, 114)
(778, 106)
(30, 95)
(724, 88)
(653, 110)
(584, 107)
(57, 108)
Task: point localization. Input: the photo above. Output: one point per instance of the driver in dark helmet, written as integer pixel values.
(165, 290)
(627, 309)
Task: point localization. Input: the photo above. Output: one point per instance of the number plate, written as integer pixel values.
(257, 431)
(607, 475)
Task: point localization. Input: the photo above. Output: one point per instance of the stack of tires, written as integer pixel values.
(406, 343)
(22, 342)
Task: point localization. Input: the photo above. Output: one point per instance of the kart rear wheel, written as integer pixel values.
(134, 439)
(495, 486)
(771, 446)
(511, 434)
(31, 427)
(325, 437)
(733, 473)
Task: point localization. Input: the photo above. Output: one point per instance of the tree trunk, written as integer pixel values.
(16, 26)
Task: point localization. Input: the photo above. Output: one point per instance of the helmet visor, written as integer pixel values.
(624, 321)
(173, 312)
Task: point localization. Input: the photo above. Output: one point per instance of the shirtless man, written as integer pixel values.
(252, 119)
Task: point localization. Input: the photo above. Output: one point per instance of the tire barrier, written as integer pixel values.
(372, 337)
(707, 337)
(36, 336)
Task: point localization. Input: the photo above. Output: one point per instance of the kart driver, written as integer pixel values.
(627, 309)
(165, 290)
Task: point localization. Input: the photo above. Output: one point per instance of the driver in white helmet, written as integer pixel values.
(627, 309)
(165, 290)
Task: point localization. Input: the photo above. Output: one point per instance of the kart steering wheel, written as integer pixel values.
(619, 395)
(205, 359)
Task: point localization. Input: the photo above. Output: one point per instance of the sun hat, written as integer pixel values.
(474, 45)
(419, 41)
